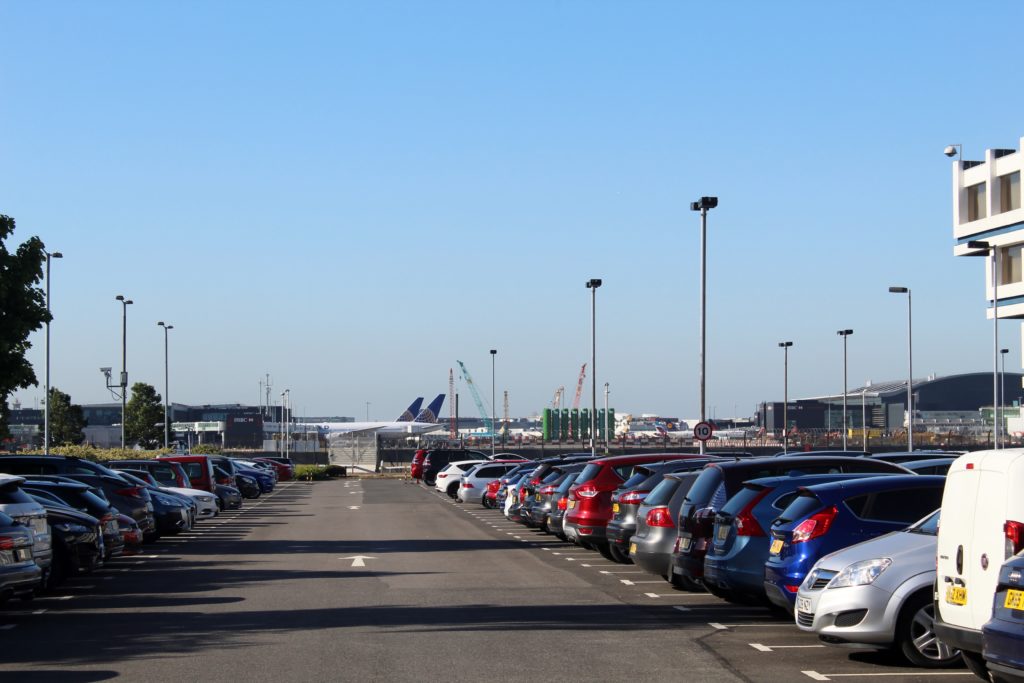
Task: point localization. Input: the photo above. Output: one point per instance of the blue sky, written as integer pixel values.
(351, 196)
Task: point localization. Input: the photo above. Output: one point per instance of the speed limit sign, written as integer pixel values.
(702, 431)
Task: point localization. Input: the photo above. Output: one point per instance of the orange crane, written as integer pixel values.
(579, 387)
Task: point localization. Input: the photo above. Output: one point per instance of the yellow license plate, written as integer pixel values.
(684, 544)
(632, 548)
(723, 532)
(776, 546)
(956, 595)
(615, 507)
(537, 497)
(572, 504)
(1014, 600)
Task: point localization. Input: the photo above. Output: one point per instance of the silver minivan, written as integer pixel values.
(24, 509)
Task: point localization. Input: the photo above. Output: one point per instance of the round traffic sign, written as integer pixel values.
(703, 430)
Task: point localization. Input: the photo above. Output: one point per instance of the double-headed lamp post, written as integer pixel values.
(704, 204)
(983, 248)
(844, 334)
(167, 390)
(785, 394)
(910, 366)
(592, 285)
(46, 403)
(125, 303)
(494, 353)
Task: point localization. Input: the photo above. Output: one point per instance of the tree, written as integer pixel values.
(66, 420)
(144, 417)
(22, 312)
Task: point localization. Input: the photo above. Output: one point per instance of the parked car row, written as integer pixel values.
(848, 543)
(61, 516)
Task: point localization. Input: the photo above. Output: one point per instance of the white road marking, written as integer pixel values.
(814, 675)
(681, 608)
(357, 560)
(771, 648)
(65, 597)
(605, 571)
(353, 507)
(39, 611)
(724, 627)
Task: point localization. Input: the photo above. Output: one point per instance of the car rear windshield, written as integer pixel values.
(551, 477)
(741, 499)
(11, 494)
(569, 480)
(194, 470)
(588, 473)
(639, 476)
(805, 504)
(663, 492)
(163, 474)
(704, 488)
(929, 525)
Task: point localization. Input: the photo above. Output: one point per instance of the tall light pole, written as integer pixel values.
(592, 285)
(124, 357)
(785, 394)
(46, 404)
(494, 352)
(844, 334)
(910, 366)
(703, 205)
(368, 411)
(280, 427)
(288, 422)
(983, 249)
(167, 390)
(607, 436)
(1002, 384)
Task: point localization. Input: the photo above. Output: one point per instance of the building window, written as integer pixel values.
(1009, 191)
(976, 202)
(1010, 265)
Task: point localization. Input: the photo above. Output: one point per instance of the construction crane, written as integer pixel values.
(579, 387)
(453, 427)
(488, 422)
(556, 402)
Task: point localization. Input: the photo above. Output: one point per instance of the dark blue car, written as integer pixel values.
(828, 517)
(263, 478)
(1004, 634)
(734, 565)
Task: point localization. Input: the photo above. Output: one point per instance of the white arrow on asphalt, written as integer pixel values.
(357, 560)
(353, 507)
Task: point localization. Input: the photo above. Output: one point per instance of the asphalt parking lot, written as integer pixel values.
(386, 580)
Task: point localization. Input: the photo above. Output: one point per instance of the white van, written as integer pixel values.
(982, 525)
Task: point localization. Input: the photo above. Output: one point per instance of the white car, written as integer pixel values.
(206, 503)
(982, 526)
(448, 478)
(473, 483)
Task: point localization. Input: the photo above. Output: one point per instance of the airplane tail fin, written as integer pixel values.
(429, 414)
(410, 413)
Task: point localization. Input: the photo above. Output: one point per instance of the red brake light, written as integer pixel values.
(1014, 532)
(814, 526)
(441, 475)
(534, 481)
(130, 492)
(587, 490)
(563, 503)
(792, 589)
(6, 543)
(547, 490)
(493, 485)
(660, 516)
(632, 497)
(746, 524)
(466, 485)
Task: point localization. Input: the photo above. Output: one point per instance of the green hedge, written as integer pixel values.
(318, 472)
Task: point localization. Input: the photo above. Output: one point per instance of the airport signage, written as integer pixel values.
(702, 431)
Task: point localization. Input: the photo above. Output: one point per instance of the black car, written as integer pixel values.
(80, 497)
(246, 485)
(19, 574)
(174, 513)
(538, 508)
(437, 459)
(228, 497)
(559, 503)
(129, 499)
(77, 541)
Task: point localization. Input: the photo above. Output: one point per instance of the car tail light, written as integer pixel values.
(534, 481)
(792, 589)
(632, 497)
(586, 490)
(441, 475)
(660, 516)
(493, 486)
(467, 485)
(745, 523)
(6, 543)
(814, 526)
(563, 503)
(1014, 532)
(547, 490)
(130, 492)
(522, 493)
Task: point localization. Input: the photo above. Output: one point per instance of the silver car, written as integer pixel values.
(473, 484)
(878, 594)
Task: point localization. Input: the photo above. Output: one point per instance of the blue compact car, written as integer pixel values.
(1004, 634)
(828, 517)
(734, 565)
(264, 479)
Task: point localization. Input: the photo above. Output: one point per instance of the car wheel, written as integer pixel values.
(915, 635)
(487, 503)
(618, 556)
(429, 480)
(976, 663)
(685, 584)
(453, 490)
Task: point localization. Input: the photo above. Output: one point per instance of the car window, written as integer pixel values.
(624, 471)
(552, 476)
(783, 501)
(704, 488)
(11, 494)
(163, 473)
(26, 468)
(488, 472)
(588, 473)
(639, 476)
(740, 500)
(902, 505)
(662, 493)
(805, 504)
(568, 482)
(39, 494)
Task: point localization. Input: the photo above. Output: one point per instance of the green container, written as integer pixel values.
(545, 421)
(601, 421)
(563, 426)
(585, 424)
(610, 424)
(574, 424)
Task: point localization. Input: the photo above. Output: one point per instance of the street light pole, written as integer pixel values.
(124, 358)
(494, 352)
(844, 334)
(703, 205)
(1002, 384)
(607, 436)
(986, 248)
(167, 390)
(910, 365)
(46, 404)
(785, 394)
(592, 285)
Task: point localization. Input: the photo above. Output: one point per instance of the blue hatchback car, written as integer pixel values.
(1004, 634)
(828, 517)
(734, 565)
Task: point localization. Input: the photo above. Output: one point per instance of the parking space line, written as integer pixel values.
(633, 583)
(681, 608)
(605, 571)
(7, 627)
(814, 675)
(771, 648)
(39, 611)
(725, 627)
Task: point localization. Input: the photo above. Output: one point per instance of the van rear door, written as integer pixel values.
(959, 500)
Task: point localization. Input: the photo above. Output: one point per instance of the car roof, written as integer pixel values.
(870, 482)
(7, 479)
(805, 480)
(76, 485)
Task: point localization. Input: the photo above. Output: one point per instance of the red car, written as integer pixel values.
(284, 471)
(590, 498)
(416, 468)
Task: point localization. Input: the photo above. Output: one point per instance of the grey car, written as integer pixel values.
(879, 594)
(651, 546)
